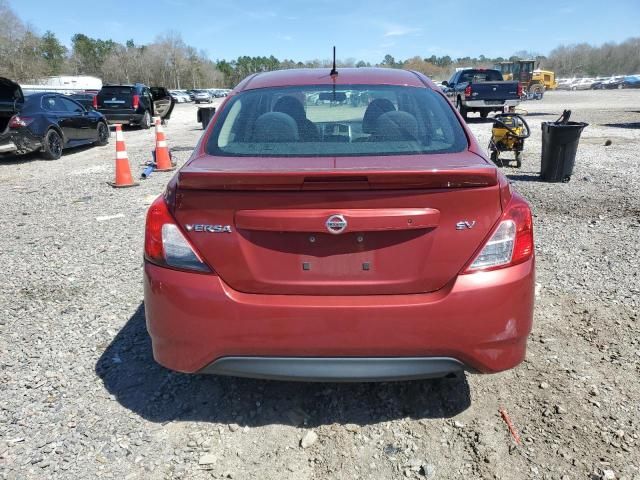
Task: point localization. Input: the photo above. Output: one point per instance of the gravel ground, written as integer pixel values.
(82, 398)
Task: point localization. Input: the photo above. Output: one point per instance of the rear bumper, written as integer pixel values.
(479, 322)
(124, 118)
(327, 369)
(7, 146)
(19, 142)
(484, 104)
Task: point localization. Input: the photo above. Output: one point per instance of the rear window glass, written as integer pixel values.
(116, 91)
(345, 121)
(477, 76)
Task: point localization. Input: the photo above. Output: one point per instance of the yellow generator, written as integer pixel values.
(508, 135)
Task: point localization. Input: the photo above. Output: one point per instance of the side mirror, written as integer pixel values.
(445, 83)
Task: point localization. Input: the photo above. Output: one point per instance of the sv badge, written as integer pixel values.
(465, 224)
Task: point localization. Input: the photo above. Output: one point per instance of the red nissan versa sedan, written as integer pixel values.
(338, 228)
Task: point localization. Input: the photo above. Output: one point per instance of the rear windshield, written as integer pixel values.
(116, 91)
(477, 76)
(346, 121)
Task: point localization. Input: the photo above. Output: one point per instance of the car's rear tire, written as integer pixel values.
(52, 145)
(103, 134)
(146, 120)
(462, 109)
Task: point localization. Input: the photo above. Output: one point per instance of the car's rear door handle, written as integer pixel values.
(357, 220)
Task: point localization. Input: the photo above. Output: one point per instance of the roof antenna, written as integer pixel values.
(333, 70)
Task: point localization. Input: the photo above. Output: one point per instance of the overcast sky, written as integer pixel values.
(367, 30)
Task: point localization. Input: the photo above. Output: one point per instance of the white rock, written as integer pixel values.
(309, 439)
(208, 459)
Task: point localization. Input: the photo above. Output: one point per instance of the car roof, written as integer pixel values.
(346, 76)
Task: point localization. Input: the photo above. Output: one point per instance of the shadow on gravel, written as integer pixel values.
(130, 374)
(524, 177)
(632, 125)
(35, 156)
(480, 120)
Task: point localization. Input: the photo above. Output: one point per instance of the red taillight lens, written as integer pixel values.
(510, 243)
(136, 101)
(164, 242)
(18, 122)
(523, 249)
(519, 89)
(95, 101)
(467, 91)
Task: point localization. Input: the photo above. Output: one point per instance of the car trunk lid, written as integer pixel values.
(341, 227)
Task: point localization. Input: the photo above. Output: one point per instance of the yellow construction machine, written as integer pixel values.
(533, 80)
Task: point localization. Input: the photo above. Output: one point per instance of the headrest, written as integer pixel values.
(291, 106)
(272, 127)
(397, 126)
(376, 108)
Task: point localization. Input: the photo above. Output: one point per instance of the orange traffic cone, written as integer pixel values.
(123, 171)
(163, 160)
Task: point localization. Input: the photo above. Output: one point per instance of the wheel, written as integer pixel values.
(461, 108)
(495, 159)
(484, 113)
(103, 134)
(52, 145)
(518, 159)
(146, 120)
(536, 88)
(573, 88)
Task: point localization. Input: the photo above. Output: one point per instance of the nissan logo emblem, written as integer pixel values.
(336, 224)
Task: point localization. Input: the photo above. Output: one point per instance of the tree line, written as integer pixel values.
(25, 55)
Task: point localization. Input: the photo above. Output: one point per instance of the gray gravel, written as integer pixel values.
(82, 398)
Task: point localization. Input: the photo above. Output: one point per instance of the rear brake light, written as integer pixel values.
(519, 89)
(510, 243)
(17, 121)
(95, 101)
(136, 101)
(164, 242)
(467, 91)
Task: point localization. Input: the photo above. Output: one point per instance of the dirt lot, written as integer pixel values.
(82, 398)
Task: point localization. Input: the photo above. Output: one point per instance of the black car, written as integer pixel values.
(86, 99)
(46, 122)
(134, 104)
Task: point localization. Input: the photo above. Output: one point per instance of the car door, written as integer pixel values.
(58, 114)
(451, 90)
(147, 100)
(162, 102)
(84, 125)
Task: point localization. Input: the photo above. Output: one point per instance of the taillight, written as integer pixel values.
(467, 91)
(164, 242)
(136, 101)
(519, 89)
(510, 243)
(17, 121)
(95, 101)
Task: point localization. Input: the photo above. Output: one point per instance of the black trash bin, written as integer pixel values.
(204, 115)
(559, 146)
